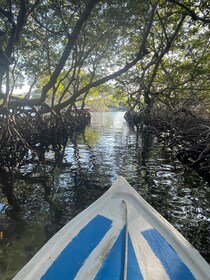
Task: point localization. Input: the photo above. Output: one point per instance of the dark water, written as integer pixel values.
(107, 149)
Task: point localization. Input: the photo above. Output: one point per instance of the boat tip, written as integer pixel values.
(121, 183)
(121, 179)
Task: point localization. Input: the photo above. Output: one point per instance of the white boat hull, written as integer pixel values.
(120, 236)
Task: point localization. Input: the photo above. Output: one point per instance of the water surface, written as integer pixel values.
(108, 148)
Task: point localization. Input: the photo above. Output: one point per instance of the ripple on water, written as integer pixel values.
(107, 149)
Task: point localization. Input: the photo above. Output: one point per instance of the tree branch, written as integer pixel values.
(190, 12)
(59, 67)
(141, 53)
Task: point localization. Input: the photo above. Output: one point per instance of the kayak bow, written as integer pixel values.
(119, 236)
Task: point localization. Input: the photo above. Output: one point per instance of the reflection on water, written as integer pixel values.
(40, 206)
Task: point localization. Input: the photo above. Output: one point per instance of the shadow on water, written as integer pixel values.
(33, 209)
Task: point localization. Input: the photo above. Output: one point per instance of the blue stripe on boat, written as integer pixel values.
(74, 255)
(133, 270)
(172, 263)
(113, 265)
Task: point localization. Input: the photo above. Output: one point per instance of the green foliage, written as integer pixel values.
(106, 97)
(175, 69)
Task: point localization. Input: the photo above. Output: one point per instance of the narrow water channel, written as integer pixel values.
(93, 160)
